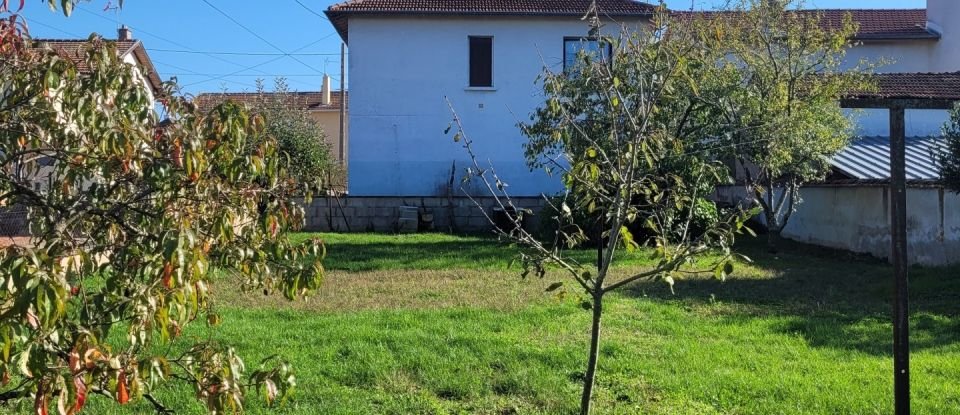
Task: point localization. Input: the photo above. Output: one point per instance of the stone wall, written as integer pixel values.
(381, 214)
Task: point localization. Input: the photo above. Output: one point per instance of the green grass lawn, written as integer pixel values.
(431, 324)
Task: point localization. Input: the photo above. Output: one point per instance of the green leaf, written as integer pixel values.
(554, 286)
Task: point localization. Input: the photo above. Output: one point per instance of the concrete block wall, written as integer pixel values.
(857, 219)
(380, 214)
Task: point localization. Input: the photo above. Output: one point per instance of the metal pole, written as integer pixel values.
(343, 102)
(898, 255)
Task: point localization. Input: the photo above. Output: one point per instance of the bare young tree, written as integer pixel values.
(630, 138)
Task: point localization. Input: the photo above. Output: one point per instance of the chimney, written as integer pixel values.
(124, 33)
(325, 90)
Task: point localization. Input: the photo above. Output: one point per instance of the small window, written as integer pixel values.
(481, 61)
(592, 46)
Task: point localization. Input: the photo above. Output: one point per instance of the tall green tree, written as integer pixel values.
(301, 138)
(627, 135)
(130, 216)
(779, 81)
(949, 156)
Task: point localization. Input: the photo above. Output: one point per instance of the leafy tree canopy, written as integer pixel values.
(301, 138)
(130, 218)
(949, 156)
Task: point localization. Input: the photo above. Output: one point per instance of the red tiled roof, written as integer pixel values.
(302, 100)
(338, 12)
(940, 86)
(881, 24)
(875, 24)
(74, 49)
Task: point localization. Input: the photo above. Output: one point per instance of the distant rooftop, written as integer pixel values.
(939, 86)
(312, 101)
(74, 49)
(873, 24)
(868, 159)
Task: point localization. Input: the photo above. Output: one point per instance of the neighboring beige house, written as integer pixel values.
(13, 219)
(323, 106)
(130, 50)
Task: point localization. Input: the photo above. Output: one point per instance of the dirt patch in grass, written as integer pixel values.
(404, 289)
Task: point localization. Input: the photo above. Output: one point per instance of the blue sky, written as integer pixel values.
(207, 52)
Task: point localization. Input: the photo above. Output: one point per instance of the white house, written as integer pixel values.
(131, 51)
(406, 56)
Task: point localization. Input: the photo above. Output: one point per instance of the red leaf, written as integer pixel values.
(122, 395)
(40, 403)
(167, 274)
(81, 394)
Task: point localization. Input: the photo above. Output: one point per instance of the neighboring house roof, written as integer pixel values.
(939, 86)
(873, 24)
(881, 24)
(339, 13)
(74, 49)
(868, 159)
(312, 101)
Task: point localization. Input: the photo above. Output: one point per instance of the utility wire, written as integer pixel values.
(164, 39)
(186, 47)
(257, 65)
(311, 10)
(72, 35)
(200, 52)
(257, 35)
(225, 75)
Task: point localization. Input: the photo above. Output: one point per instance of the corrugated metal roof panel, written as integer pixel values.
(869, 158)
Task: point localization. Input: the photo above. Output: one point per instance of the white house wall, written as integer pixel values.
(140, 76)
(402, 68)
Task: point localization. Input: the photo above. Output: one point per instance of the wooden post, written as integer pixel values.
(898, 255)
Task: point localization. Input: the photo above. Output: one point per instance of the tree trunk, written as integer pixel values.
(773, 239)
(591, 374)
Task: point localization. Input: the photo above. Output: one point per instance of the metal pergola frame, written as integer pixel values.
(898, 228)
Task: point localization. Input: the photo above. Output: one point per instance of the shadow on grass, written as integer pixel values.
(831, 298)
(377, 252)
(376, 256)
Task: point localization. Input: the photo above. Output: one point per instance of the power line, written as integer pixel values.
(255, 34)
(188, 72)
(259, 64)
(311, 10)
(73, 35)
(200, 52)
(161, 38)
